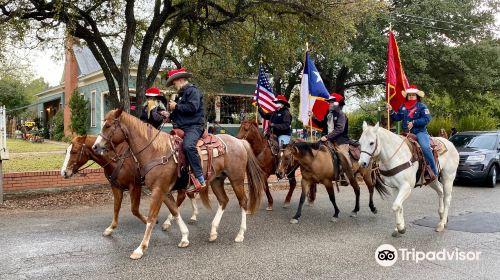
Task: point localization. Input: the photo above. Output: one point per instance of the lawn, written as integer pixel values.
(36, 163)
(23, 146)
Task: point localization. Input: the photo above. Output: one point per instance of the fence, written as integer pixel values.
(4, 154)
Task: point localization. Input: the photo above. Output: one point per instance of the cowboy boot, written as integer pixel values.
(429, 176)
(197, 185)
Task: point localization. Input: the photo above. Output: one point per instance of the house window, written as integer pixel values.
(92, 108)
(40, 115)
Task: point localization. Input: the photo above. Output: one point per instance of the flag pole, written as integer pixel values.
(257, 101)
(387, 91)
(309, 96)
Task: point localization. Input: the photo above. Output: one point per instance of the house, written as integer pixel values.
(82, 72)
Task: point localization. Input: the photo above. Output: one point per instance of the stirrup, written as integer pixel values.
(195, 187)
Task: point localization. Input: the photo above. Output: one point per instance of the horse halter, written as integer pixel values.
(80, 154)
(375, 149)
(117, 124)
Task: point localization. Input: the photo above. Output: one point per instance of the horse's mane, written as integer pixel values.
(306, 148)
(136, 126)
(255, 125)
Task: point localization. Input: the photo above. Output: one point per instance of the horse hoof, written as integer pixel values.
(294, 221)
(354, 214)
(439, 228)
(269, 208)
(166, 226)
(137, 254)
(402, 231)
(396, 234)
(239, 238)
(183, 244)
(108, 232)
(334, 219)
(213, 237)
(374, 211)
(286, 205)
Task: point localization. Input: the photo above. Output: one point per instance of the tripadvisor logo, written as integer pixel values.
(387, 255)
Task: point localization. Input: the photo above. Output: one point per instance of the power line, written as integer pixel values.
(433, 27)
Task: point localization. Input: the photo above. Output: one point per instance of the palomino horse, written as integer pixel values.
(147, 147)
(249, 131)
(122, 173)
(389, 151)
(317, 166)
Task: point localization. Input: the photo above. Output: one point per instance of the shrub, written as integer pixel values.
(80, 111)
(58, 126)
(476, 122)
(437, 123)
(356, 123)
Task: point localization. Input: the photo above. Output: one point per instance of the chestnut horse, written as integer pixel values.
(316, 165)
(148, 147)
(121, 172)
(249, 130)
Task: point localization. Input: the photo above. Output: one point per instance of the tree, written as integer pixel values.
(13, 95)
(80, 111)
(156, 29)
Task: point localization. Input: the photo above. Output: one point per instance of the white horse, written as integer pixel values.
(389, 150)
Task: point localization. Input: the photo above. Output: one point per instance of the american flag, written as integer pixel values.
(264, 95)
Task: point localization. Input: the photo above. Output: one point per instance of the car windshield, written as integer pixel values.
(474, 141)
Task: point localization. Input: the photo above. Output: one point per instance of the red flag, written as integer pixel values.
(395, 77)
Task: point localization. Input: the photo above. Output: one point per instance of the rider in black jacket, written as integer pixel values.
(188, 115)
(281, 120)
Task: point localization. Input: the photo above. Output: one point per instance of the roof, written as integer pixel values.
(87, 64)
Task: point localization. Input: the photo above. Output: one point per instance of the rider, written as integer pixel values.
(188, 115)
(415, 117)
(335, 127)
(281, 120)
(153, 108)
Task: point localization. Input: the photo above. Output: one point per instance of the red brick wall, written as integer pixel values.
(21, 181)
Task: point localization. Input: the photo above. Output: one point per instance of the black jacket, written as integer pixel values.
(155, 118)
(341, 125)
(189, 109)
(281, 121)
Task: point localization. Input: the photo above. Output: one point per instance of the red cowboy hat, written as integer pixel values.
(177, 74)
(413, 89)
(282, 99)
(335, 97)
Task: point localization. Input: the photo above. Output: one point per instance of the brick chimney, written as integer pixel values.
(70, 80)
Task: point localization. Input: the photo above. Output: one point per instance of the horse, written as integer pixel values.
(317, 166)
(389, 151)
(155, 154)
(122, 173)
(249, 130)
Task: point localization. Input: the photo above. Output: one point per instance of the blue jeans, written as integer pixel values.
(191, 136)
(424, 141)
(283, 140)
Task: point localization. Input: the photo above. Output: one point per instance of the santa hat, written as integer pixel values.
(155, 92)
(335, 97)
(282, 99)
(413, 89)
(177, 74)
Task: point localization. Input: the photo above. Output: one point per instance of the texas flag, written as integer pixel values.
(313, 93)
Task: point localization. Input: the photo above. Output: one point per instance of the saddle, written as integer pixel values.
(209, 146)
(424, 169)
(272, 140)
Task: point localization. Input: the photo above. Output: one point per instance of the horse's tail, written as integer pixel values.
(256, 179)
(204, 197)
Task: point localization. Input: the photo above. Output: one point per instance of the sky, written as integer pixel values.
(51, 70)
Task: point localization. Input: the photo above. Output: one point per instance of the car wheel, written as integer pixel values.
(491, 180)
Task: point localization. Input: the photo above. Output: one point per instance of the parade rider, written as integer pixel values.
(415, 116)
(187, 114)
(281, 120)
(153, 108)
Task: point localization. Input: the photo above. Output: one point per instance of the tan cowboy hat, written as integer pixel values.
(412, 89)
(177, 74)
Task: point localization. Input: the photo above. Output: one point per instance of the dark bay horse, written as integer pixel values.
(120, 170)
(316, 165)
(148, 148)
(249, 130)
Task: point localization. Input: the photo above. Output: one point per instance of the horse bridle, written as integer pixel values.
(375, 149)
(288, 165)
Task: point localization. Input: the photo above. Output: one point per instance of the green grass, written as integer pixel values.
(35, 163)
(23, 146)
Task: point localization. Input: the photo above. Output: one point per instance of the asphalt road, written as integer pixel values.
(67, 243)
